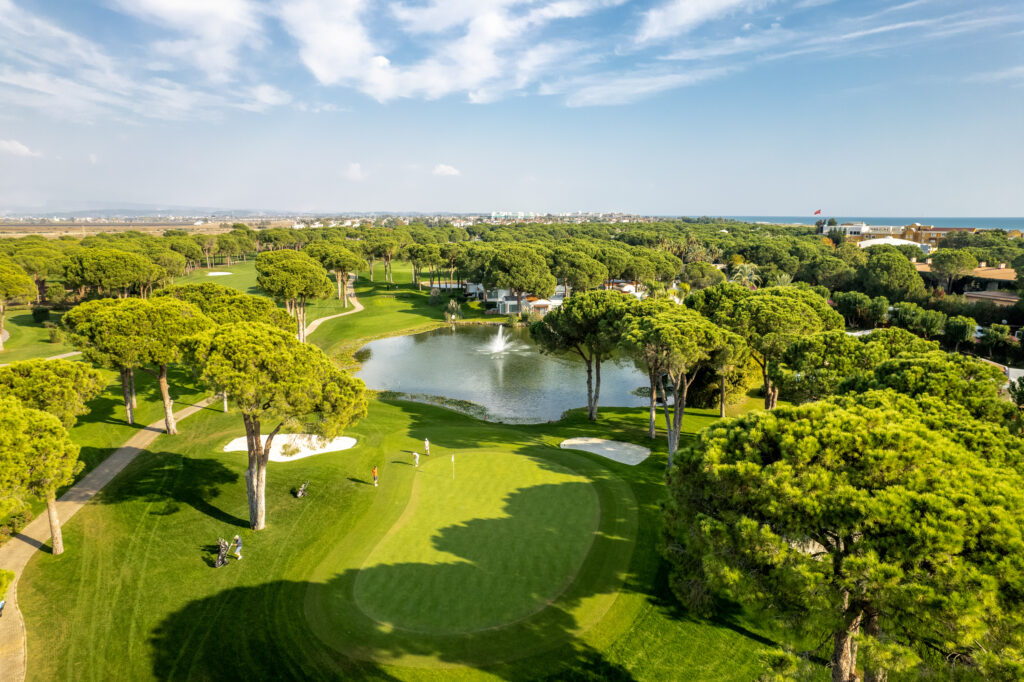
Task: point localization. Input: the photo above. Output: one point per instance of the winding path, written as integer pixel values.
(356, 307)
(15, 554)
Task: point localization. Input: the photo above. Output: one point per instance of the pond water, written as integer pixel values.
(497, 368)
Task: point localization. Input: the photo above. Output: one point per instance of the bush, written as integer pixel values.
(6, 578)
(40, 314)
(57, 335)
(56, 293)
(14, 523)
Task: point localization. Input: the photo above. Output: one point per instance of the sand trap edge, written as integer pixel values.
(617, 451)
(307, 445)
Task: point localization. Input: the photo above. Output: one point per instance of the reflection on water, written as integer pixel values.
(497, 368)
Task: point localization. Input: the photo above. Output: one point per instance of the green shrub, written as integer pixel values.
(14, 523)
(56, 293)
(40, 314)
(6, 578)
(57, 335)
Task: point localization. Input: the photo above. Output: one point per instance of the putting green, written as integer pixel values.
(521, 552)
(494, 544)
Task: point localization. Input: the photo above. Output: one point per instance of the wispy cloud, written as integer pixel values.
(209, 33)
(628, 87)
(198, 58)
(15, 148)
(1013, 75)
(444, 169)
(676, 17)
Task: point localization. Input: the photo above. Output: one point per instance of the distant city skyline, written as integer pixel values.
(673, 107)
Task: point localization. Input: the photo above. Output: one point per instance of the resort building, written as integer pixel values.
(892, 241)
(928, 234)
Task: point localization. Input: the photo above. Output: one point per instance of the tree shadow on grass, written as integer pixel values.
(319, 631)
(174, 479)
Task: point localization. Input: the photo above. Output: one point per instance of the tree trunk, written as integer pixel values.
(668, 420)
(224, 395)
(165, 395)
(126, 392)
(301, 316)
(51, 512)
(873, 629)
(590, 387)
(680, 389)
(344, 292)
(131, 387)
(597, 383)
(257, 507)
(337, 278)
(844, 652)
(519, 306)
(654, 404)
(721, 397)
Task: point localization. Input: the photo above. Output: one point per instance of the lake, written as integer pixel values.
(498, 368)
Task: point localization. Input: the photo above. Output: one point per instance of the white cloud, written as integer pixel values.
(445, 169)
(15, 148)
(628, 87)
(737, 45)
(94, 159)
(354, 172)
(213, 31)
(481, 49)
(681, 16)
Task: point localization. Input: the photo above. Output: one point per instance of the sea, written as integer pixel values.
(980, 223)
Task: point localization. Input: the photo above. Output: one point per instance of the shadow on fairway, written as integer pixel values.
(172, 479)
(217, 638)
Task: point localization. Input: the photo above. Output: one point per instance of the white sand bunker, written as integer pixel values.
(287, 447)
(217, 274)
(626, 453)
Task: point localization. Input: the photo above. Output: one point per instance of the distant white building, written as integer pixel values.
(892, 241)
(862, 229)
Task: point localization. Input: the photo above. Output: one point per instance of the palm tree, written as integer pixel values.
(745, 274)
(783, 279)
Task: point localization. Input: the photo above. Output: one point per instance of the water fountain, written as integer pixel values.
(500, 342)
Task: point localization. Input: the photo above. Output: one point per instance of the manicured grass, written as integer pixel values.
(29, 339)
(243, 278)
(502, 536)
(104, 428)
(134, 596)
(387, 310)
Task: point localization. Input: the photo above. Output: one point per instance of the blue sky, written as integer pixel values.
(727, 107)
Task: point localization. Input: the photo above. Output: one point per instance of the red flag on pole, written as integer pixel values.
(818, 212)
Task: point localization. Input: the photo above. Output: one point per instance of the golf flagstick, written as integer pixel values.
(453, 466)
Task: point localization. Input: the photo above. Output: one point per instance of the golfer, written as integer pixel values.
(426, 447)
(238, 547)
(416, 458)
(374, 475)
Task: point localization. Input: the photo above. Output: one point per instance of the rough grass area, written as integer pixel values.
(135, 596)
